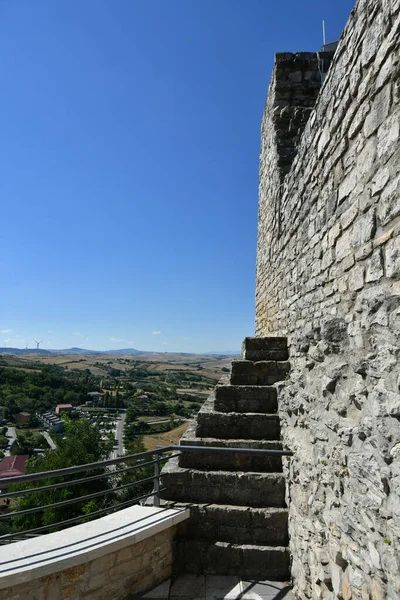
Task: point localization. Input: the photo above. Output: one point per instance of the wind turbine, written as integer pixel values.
(37, 343)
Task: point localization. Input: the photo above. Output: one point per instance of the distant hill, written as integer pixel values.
(5, 350)
(74, 351)
(126, 351)
(224, 353)
(67, 351)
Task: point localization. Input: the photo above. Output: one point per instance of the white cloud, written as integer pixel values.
(77, 333)
(5, 330)
(115, 339)
(156, 332)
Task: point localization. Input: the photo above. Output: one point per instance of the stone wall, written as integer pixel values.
(328, 277)
(117, 575)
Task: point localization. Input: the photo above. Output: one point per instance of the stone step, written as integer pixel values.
(265, 348)
(235, 524)
(213, 461)
(265, 372)
(253, 426)
(246, 398)
(222, 558)
(241, 488)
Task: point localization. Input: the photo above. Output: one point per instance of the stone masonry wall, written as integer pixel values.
(328, 277)
(117, 576)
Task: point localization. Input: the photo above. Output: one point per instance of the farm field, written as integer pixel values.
(100, 365)
(164, 439)
(129, 397)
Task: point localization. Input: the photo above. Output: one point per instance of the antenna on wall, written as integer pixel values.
(37, 343)
(323, 33)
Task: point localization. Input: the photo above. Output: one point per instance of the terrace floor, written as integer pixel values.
(215, 587)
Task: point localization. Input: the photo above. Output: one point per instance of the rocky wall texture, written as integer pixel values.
(117, 576)
(328, 278)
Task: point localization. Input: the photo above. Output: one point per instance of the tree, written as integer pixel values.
(81, 444)
(22, 445)
(137, 474)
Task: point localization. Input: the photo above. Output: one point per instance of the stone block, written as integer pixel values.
(388, 136)
(73, 574)
(102, 564)
(223, 487)
(200, 556)
(124, 555)
(347, 186)
(343, 245)
(379, 111)
(362, 252)
(253, 426)
(334, 233)
(274, 562)
(392, 258)
(124, 570)
(356, 278)
(71, 592)
(375, 267)
(365, 163)
(379, 181)
(258, 373)
(231, 398)
(328, 258)
(349, 215)
(97, 580)
(348, 262)
(389, 205)
(144, 546)
(364, 229)
(266, 348)
(365, 200)
(212, 461)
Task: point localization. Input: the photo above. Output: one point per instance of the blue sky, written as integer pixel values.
(129, 166)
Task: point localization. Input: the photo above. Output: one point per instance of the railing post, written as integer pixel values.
(157, 479)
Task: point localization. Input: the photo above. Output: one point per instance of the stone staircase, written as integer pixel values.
(238, 523)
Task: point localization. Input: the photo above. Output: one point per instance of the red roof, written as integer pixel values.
(11, 466)
(61, 407)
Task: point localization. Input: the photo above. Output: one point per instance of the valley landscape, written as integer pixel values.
(154, 394)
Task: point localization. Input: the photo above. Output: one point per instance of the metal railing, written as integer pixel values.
(158, 456)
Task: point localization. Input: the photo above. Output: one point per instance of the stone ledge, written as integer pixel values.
(28, 560)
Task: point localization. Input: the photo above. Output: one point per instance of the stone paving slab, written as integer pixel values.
(216, 587)
(160, 592)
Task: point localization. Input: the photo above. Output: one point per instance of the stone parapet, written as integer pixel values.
(123, 554)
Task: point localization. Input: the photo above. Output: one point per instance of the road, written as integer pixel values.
(119, 434)
(49, 440)
(12, 436)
